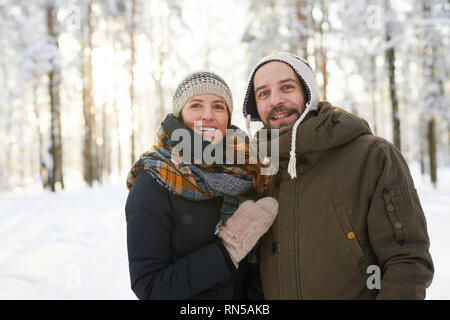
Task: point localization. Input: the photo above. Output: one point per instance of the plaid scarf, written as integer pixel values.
(197, 182)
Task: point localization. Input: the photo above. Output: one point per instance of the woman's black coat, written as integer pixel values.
(172, 250)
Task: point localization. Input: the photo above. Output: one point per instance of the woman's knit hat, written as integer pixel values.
(202, 82)
(309, 82)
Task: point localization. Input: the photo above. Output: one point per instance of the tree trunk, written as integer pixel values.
(55, 173)
(432, 80)
(106, 146)
(90, 148)
(159, 114)
(43, 171)
(322, 51)
(131, 70)
(373, 82)
(432, 150)
(390, 57)
(448, 141)
(117, 135)
(157, 76)
(323, 69)
(302, 16)
(422, 153)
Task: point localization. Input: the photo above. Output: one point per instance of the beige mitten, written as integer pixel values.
(250, 221)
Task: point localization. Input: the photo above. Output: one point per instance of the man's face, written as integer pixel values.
(279, 95)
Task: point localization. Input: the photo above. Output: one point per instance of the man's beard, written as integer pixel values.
(284, 127)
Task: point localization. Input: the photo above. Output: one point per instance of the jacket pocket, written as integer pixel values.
(350, 234)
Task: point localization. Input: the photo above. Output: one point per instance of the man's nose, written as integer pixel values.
(276, 98)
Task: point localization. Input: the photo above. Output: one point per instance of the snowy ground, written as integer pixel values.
(72, 245)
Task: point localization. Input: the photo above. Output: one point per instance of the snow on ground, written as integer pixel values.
(72, 245)
(436, 205)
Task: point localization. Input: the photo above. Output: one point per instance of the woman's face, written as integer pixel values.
(207, 115)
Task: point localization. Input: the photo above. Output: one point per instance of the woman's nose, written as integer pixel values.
(207, 114)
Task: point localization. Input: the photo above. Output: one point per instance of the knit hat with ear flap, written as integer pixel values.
(309, 82)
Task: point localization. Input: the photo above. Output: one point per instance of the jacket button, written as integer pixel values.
(274, 247)
(351, 235)
(390, 208)
(398, 225)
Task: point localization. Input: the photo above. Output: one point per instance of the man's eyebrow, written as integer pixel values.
(289, 79)
(260, 87)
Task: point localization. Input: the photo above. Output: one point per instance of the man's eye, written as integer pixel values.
(262, 94)
(287, 87)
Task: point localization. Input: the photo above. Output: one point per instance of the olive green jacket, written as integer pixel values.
(352, 205)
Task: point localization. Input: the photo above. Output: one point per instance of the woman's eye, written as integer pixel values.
(219, 107)
(195, 106)
(287, 87)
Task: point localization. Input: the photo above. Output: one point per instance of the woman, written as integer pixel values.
(175, 249)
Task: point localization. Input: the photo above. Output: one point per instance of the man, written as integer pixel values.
(350, 224)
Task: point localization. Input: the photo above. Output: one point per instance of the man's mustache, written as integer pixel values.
(281, 109)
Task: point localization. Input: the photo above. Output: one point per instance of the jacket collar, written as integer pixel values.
(321, 131)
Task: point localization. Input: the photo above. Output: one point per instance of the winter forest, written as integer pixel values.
(85, 84)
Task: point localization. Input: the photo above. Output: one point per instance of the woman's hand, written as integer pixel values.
(250, 221)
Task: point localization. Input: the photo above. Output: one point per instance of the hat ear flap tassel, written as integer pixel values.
(292, 164)
(292, 159)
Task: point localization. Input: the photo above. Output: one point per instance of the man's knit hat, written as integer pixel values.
(300, 67)
(309, 82)
(202, 82)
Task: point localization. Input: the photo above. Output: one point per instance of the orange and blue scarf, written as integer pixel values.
(234, 182)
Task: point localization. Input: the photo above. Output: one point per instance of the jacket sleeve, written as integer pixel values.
(153, 274)
(397, 229)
